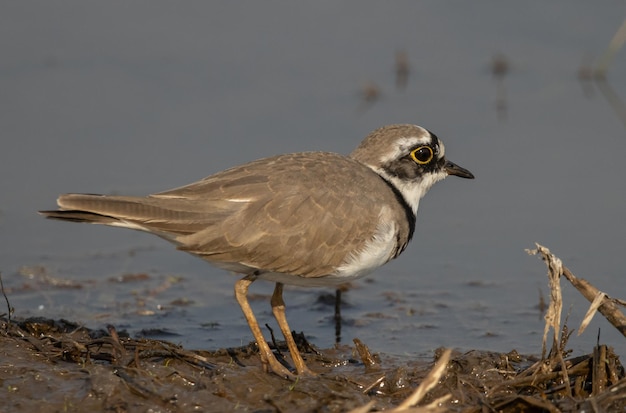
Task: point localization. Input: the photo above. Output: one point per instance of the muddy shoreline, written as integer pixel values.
(57, 365)
(52, 365)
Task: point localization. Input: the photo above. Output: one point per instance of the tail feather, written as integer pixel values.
(121, 207)
(79, 216)
(165, 217)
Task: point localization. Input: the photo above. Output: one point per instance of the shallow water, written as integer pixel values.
(138, 99)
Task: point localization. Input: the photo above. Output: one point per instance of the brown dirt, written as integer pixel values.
(58, 366)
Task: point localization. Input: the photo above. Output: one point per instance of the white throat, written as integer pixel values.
(413, 191)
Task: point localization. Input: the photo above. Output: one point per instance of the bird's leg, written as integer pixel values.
(278, 308)
(268, 359)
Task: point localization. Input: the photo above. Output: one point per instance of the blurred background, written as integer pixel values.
(139, 97)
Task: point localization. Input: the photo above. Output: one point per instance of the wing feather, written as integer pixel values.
(297, 214)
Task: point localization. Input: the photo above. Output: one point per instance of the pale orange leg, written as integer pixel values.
(267, 357)
(278, 308)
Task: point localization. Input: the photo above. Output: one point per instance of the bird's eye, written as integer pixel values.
(422, 155)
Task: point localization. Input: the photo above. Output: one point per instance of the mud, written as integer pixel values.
(59, 366)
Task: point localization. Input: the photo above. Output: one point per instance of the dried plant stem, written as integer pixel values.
(609, 308)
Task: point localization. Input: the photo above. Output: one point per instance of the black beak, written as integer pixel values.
(454, 169)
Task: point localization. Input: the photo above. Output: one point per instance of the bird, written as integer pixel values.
(311, 219)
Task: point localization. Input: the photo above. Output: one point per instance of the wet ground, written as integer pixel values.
(49, 365)
(59, 366)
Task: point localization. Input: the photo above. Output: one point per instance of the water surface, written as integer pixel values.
(137, 98)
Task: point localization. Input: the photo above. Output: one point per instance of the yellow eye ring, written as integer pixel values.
(422, 155)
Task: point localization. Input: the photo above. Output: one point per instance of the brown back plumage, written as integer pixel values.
(299, 214)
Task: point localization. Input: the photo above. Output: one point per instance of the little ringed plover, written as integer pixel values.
(309, 219)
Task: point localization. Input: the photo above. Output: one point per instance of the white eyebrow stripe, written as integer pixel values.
(404, 144)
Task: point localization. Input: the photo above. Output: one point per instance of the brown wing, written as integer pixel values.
(314, 205)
